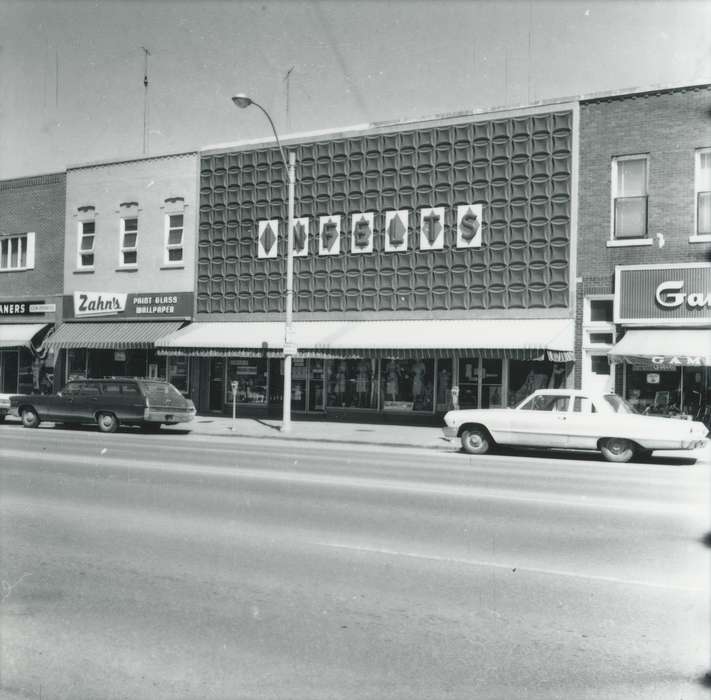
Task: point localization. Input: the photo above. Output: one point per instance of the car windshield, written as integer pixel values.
(619, 405)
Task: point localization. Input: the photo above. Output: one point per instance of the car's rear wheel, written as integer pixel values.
(30, 419)
(617, 450)
(476, 441)
(107, 422)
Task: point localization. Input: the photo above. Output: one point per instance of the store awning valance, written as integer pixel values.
(120, 335)
(521, 338)
(19, 335)
(672, 346)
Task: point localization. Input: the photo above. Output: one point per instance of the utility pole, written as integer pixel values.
(146, 53)
(287, 79)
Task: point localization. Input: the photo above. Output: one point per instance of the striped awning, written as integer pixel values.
(669, 346)
(19, 335)
(520, 339)
(119, 335)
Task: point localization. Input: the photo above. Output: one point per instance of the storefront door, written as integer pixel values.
(9, 369)
(217, 383)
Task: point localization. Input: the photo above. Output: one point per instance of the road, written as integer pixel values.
(183, 566)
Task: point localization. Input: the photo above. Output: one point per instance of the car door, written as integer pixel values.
(584, 423)
(86, 403)
(60, 406)
(541, 421)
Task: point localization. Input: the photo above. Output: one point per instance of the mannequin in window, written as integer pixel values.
(443, 393)
(362, 383)
(341, 384)
(418, 380)
(392, 380)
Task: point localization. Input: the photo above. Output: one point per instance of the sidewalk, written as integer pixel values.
(429, 437)
(426, 437)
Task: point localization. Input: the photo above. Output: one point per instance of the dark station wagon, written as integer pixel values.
(109, 402)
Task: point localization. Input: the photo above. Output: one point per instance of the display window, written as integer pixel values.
(526, 376)
(444, 385)
(251, 377)
(178, 368)
(76, 363)
(407, 385)
(316, 395)
(351, 384)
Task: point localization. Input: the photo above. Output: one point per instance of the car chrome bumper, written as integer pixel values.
(167, 417)
(450, 431)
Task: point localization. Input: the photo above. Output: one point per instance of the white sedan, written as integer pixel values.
(576, 420)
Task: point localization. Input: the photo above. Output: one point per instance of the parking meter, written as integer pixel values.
(235, 385)
(455, 398)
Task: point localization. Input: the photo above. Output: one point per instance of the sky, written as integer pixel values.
(72, 71)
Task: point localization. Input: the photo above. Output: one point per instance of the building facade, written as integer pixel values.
(31, 261)
(128, 266)
(644, 250)
(428, 256)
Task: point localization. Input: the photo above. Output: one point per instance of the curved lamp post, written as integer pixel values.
(242, 101)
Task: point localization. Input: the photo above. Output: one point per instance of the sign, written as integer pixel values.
(143, 305)
(663, 294)
(25, 308)
(653, 378)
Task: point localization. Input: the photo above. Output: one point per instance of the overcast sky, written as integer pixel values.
(71, 73)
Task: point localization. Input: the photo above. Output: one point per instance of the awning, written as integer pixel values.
(520, 338)
(19, 335)
(671, 346)
(120, 335)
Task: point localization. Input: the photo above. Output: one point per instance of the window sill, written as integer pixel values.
(127, 268)
(84, 271)
(16, 269)
(705, 238)
(629, 242)
(179, 266)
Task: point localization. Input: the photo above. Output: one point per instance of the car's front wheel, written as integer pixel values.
(476, 441)
(30, 419)
(107, 422)
(617, 450)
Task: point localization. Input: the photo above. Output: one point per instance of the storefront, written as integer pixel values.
(370, 367)
(25, 364)
(114, 334)
(665, 313)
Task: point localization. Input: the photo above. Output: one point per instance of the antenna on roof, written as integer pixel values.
(146, 53)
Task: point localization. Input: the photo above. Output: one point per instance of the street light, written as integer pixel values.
(242, 101)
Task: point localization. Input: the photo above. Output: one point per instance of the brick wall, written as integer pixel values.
(668, 126)
(35, 204)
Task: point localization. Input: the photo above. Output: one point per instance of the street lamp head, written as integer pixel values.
(242, 101)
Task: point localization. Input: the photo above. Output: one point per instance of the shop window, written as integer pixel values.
(351, 384)
(174, 239)
(444, 385)
(85, 254)
(407, 385)
(629, 197)
(654, 389)
(316, 393)
(129, 242)
(76, 363)
(527, 376)
(702, 187)
(17, 252)
(250, 373)
(178, 372)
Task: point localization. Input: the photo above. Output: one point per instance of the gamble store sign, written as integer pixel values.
(658, 295)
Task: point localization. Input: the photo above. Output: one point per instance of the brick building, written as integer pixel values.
(644, 239)
(426, 255)
(31, 255)
(128, 266)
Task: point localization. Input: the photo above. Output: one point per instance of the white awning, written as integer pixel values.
(672, 346)
(19, 335)
(524, 338)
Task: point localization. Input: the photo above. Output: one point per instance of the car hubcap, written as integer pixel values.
(106, 421)
(475, 441)
(616, 447)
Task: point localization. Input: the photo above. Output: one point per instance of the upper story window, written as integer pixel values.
(702, 188)
(85, 253)
(629, 197)
(17, 252)
(174, 239)
(129, 241)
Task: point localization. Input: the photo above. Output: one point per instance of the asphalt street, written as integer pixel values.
(193, 566)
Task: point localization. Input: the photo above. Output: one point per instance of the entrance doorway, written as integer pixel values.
(217, 384)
